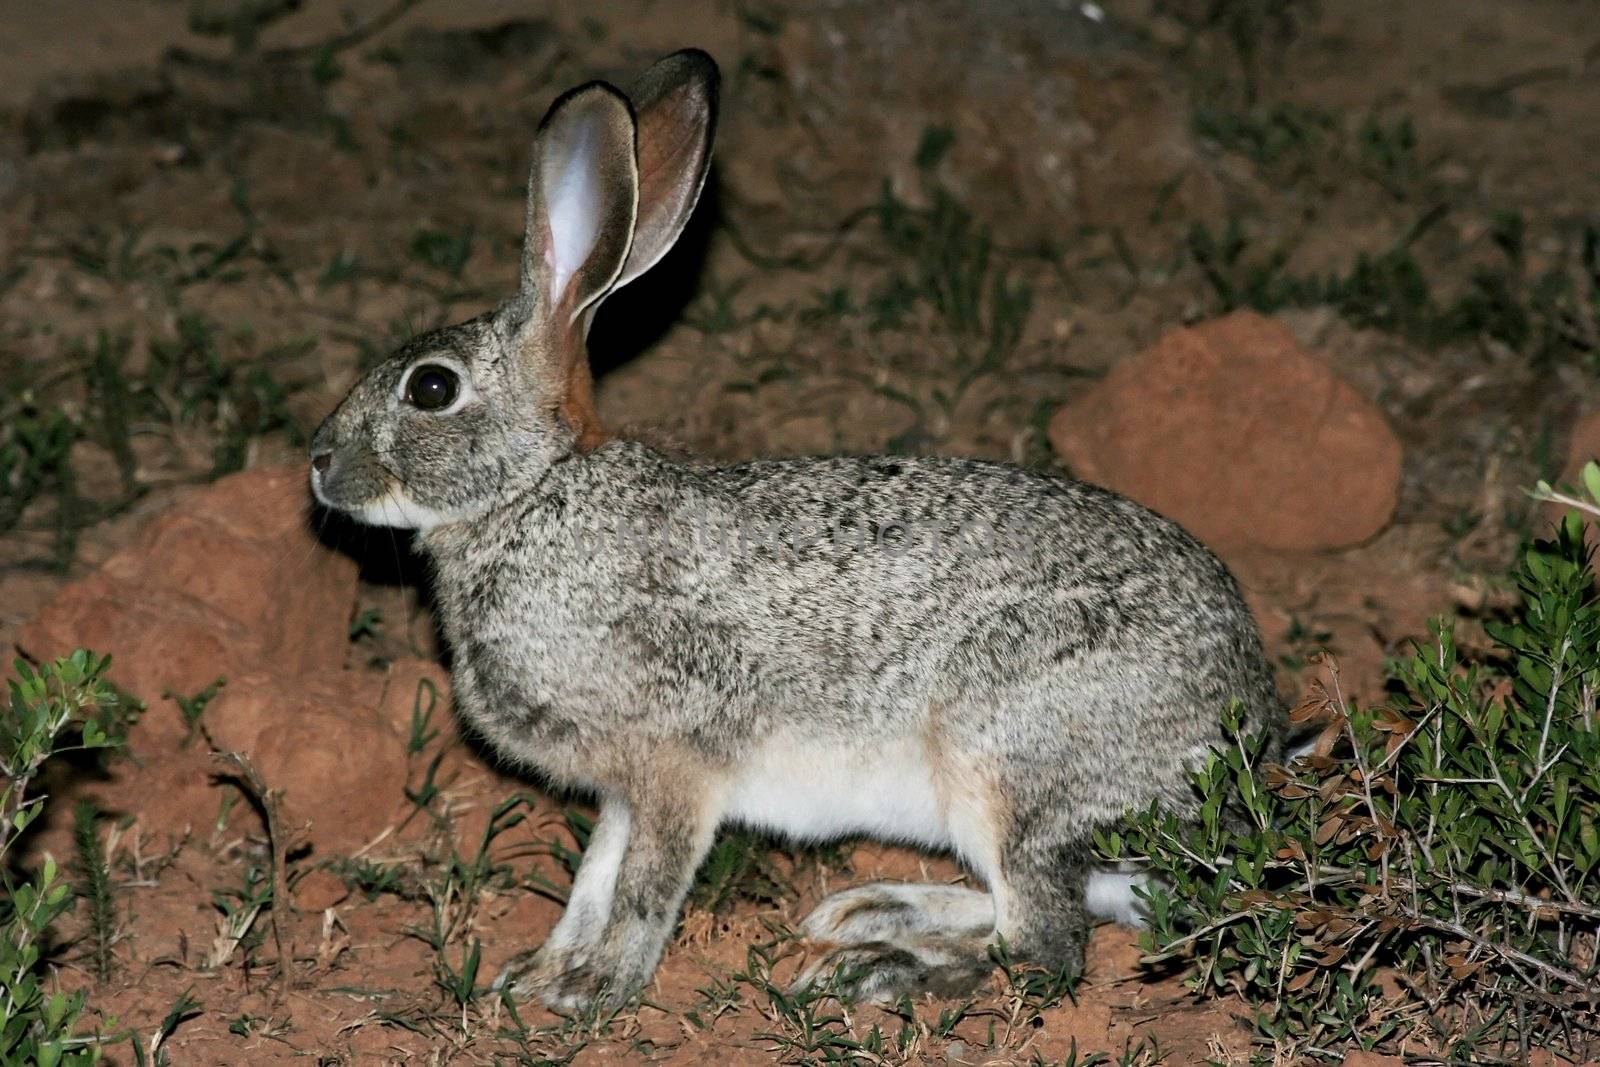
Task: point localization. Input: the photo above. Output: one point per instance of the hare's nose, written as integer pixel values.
(321, 462)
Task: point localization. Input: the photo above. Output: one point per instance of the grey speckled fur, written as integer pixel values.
(1002, 702)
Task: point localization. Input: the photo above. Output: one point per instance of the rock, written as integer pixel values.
(1232, 429)
(231, 583)
(228, 581)
(321, 739)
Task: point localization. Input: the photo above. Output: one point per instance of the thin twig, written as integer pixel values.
(271, 803)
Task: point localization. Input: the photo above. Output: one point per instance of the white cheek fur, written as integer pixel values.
(398, 510)
(316, 488)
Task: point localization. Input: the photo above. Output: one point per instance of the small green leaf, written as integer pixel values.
(1591, 479)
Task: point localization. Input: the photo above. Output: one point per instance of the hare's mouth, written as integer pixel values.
(392, 506)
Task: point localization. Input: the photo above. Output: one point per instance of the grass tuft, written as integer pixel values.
(94, 888)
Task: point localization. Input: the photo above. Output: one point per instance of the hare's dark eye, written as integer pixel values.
(432, 387)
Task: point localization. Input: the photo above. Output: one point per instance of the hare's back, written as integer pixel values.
(980, 576)
(962, 518)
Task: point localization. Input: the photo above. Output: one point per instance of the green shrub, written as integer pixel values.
(1430, 871)
(63, 707)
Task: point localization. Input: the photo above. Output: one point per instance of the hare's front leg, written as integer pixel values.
(588, 906)
(606, 956)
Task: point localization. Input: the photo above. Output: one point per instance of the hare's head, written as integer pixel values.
(458, 418)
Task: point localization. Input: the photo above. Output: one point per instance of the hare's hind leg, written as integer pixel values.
(892, 939)
(893, 947)
(891, 911)
(895, 939)
(1041, 901)
(881, 972)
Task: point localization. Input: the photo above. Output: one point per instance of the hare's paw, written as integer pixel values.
(881, 972)
(556, 977)
(563, 981)
(526, 973)
(579, 989)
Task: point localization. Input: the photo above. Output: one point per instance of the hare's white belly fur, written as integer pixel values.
(814, 791)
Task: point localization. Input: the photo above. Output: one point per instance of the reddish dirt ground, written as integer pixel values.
(295, 210)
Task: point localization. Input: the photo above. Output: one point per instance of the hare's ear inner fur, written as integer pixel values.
(583, 193)
(675, 107)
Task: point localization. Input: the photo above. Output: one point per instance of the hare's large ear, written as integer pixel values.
(675, 108)
(583, 194)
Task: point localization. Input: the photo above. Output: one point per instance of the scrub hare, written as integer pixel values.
(951, 653)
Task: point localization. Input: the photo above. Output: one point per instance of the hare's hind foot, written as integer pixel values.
(892, 940)
(888, 911)
(882, 972)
